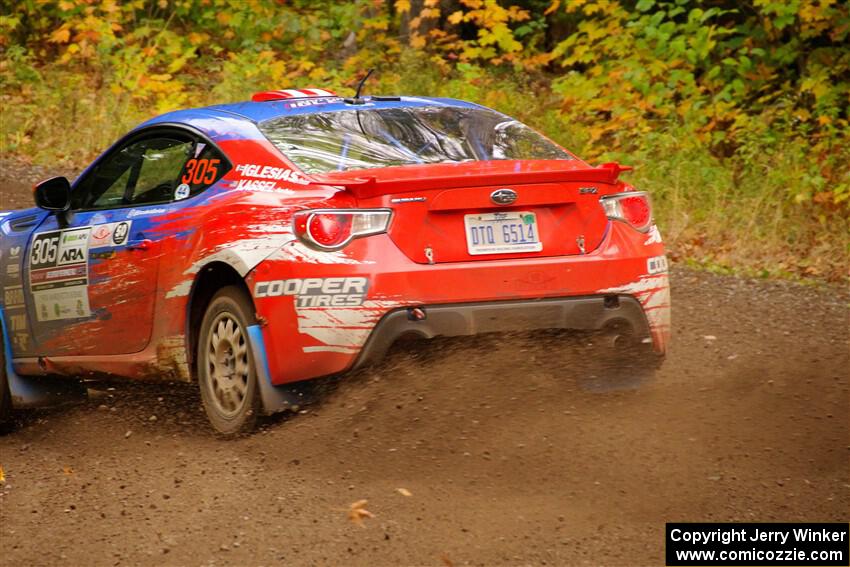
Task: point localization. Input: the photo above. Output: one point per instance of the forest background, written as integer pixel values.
(733, 113)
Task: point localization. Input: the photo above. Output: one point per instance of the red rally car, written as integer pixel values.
(253, 245)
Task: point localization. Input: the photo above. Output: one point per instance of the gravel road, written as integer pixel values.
(487, 451)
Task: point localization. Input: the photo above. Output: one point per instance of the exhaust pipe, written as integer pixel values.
(617, 335)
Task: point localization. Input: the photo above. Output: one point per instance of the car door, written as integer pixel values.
(92, 272)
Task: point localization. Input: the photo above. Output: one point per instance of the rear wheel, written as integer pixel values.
(226, 369)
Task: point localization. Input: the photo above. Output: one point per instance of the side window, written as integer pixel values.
(154, 169)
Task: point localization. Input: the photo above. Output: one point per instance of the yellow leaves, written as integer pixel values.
(575, 5)
(417, 41)
(196, 38)
(2, 475)
(357, 512)
(456, 17)
(402, 6)
(802, 115)
(223, 17)
(61, 35)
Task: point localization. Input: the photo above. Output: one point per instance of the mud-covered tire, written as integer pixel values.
(5, 394)
(227, 372)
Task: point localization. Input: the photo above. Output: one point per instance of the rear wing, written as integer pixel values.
(371, 186)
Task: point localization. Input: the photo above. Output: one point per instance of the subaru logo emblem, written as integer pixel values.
(503, 196)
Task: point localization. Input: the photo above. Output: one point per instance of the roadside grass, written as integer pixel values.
(731, 214)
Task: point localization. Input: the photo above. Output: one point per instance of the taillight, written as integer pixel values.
(331, 229)
(633, 207)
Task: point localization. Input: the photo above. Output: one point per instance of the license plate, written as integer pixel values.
(502, 233)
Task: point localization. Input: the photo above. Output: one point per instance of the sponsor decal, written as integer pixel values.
(111, 234)
(13, 297)
(59, 273)
(142, 212)
(181, 192)
(588, 190)
(312, 102)
(408, 200)
(21, 341)
(13, 270)
(256, 171)
(18, 323)
(119, 235)
(317, 292)
(656, 265)
(14, 251)
(256, 185)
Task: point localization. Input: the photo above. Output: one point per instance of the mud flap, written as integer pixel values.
(275, 398)
(41, 391)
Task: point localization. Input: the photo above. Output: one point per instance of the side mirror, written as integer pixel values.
(53, 194)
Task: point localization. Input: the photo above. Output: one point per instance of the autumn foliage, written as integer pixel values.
(736, 113)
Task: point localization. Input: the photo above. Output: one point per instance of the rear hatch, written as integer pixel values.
(452, 212)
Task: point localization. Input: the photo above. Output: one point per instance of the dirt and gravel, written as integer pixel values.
(486, 451)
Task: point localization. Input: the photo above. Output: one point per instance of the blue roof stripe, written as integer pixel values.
(207, 118)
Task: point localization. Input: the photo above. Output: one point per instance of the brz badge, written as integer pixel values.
(503, 196)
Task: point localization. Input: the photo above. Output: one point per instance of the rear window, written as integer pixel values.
(370, 138)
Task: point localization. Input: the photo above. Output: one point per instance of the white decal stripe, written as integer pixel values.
(344, 350)
(318, 92)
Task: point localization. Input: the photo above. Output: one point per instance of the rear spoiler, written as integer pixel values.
(365, 187)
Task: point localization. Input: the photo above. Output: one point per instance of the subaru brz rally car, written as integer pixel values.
(250, 246)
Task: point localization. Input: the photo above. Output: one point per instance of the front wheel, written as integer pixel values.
(227, 373)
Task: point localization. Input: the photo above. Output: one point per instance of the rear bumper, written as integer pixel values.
(580, 313)
(325, 312)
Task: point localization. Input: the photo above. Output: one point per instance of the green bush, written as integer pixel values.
(735, 114)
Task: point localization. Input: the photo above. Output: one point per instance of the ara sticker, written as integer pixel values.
(59, 274)
(181, 192)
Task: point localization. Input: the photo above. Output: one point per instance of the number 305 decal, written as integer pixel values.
(201, 171)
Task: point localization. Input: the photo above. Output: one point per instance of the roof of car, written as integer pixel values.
(208, 118)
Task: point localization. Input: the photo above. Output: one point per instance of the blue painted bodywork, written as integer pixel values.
(37, 392)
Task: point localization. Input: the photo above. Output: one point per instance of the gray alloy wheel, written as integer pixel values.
(226, 370)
